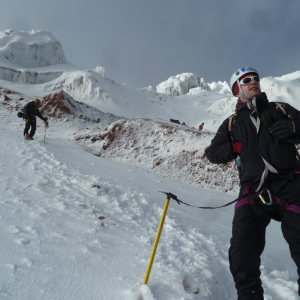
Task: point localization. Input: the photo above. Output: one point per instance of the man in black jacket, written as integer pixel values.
(30, 112)
(261, 137)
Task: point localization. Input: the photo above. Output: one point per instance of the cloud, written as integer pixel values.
(19, 23)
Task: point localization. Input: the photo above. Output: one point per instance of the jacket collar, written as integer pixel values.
(260, 100)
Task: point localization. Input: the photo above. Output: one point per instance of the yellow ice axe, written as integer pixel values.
(161, 224)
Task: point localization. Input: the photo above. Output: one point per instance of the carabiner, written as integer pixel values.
(265, 195)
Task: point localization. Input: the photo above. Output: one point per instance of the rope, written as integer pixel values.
(174, 197)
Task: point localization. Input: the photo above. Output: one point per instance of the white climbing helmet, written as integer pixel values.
(238, 74)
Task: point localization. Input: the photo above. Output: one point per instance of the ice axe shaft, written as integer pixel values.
(157, 240)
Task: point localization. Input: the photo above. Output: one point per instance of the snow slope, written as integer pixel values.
(78, 226)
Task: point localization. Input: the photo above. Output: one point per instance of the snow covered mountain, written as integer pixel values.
(79, 213)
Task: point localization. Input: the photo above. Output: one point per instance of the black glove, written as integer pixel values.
(293, 140)
(285, 129)
(267, 120)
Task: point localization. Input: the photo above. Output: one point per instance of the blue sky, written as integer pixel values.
(143, 42)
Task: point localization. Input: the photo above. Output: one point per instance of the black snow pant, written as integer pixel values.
(248, 238)
(31, 122)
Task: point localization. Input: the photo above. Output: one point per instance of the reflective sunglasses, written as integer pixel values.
(247, 80)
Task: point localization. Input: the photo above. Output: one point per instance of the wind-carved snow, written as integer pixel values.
(156, 96)
(85, 84)
(224, 106)
(181, 84)
(31, 49)
(220, 87)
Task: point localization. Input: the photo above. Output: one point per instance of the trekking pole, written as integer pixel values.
(157, 239)
(45, 133)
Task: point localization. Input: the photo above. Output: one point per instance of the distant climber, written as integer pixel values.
(201, 126)
(175, 121)
(183, 123)
(30, 112)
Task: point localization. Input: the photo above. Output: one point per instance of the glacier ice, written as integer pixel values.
(31, 49)
(27, 76)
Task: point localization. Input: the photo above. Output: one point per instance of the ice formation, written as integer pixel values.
(31, 49)
(27, 77)
(181, 84)
(25, 57)
(220, 87)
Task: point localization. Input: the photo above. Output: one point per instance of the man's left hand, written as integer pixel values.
(285, 129)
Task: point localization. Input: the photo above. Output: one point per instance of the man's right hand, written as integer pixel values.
(237, 147)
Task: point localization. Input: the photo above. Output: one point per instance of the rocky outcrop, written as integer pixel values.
(60, 105)
(10, 100)
(174, 151)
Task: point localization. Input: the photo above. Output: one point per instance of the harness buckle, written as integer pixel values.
(266, 197)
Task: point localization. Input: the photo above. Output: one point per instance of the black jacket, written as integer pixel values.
(30, 110)
(281, 155)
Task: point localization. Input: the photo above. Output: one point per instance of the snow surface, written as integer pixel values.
(54, 246)
(75, 225)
